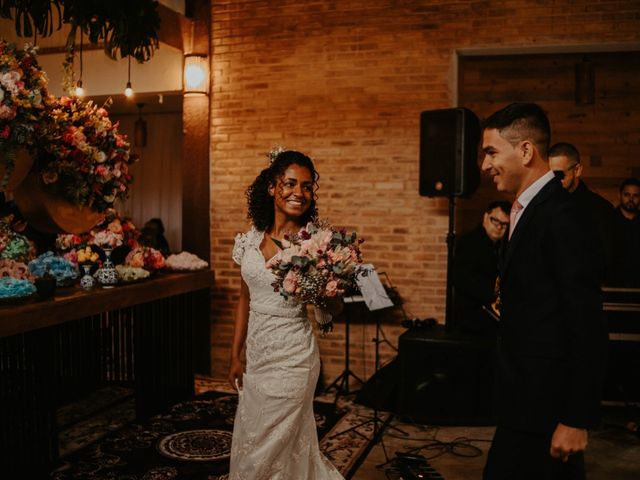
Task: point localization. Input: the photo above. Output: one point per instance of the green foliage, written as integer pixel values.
(126, 27)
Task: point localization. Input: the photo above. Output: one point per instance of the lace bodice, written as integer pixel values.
(247, 254)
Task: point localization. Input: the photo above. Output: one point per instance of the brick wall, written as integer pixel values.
(345, 82)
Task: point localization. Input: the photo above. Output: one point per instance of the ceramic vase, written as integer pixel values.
(87, 282)
(107, 275)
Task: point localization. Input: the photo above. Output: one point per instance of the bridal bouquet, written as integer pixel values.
(317, 263)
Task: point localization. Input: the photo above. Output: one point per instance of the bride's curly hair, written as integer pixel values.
(261, 207)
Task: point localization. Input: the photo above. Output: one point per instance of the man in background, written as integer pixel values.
(475, 270)
(551, 337)
(627, 221)
(565, 158)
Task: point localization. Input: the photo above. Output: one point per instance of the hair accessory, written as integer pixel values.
(275, 151)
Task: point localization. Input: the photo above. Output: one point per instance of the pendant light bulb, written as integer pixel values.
(79, 91)
(128, 92)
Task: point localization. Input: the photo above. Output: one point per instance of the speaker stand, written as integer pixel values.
(451, 245)
(378, 424)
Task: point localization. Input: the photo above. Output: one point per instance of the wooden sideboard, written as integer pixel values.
(145, 335)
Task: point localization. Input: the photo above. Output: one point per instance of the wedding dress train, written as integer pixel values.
(274, 434)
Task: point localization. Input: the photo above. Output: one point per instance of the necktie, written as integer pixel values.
(515, 208)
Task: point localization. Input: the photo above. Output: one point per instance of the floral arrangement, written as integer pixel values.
(14, 288)
(13, 245)
(13, 269)
(131, 274)
(23, 95)
(185, 261)
(64, 271)
(113, 232)
(81, 155)
(315, 263)
(145, 257)
(68, 241)
(83, 255)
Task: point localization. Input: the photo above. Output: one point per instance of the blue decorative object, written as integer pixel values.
(14, 288)
(64, 271)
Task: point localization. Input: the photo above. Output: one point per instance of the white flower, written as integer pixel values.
(100, 156)
(9, 80)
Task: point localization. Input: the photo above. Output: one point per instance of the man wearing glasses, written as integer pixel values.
(475, 270)
(564, 160)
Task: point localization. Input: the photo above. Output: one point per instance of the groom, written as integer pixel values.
(552, 338)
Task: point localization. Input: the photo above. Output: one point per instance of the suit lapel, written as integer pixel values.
(521, 226)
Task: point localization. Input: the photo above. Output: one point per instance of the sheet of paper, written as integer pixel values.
(375, 296)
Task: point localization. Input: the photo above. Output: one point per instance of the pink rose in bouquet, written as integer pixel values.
(317, 263)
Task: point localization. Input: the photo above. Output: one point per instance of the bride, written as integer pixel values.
(274, 434)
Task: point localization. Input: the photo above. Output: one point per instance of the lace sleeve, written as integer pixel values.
(239, 247)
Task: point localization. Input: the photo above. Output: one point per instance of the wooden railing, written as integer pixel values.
(145, 335)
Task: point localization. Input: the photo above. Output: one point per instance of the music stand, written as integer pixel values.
(372, 303)
(341, 383)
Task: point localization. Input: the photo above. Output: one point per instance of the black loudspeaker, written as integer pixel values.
(381, 389)
(449, 153)
(445, 379)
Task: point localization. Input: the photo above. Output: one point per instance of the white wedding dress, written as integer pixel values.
(274, 433)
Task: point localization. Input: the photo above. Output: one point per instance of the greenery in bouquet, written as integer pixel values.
(13, 245)
(62, 270)
(23, 96)
(81, 155)
(145, 257)
(317, 263)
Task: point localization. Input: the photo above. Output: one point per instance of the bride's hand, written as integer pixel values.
(235, 374)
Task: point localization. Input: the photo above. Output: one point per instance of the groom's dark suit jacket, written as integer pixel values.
(552, 337)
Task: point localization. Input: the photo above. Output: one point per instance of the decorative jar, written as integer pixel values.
(87, 282)
(107, 275)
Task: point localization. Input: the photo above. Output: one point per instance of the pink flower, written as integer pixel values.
(7, 112)
(290, 282)
(71, 256)
(102, 170)
(331, 289)
(135, 259)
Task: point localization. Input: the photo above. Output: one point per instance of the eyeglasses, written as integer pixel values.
(564, 172)
(497, 223)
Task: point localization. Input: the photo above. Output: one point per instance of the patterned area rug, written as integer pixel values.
(192, 441)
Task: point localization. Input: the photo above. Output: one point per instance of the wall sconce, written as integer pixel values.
(196, 74)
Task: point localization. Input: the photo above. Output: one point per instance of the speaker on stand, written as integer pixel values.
(449, 141)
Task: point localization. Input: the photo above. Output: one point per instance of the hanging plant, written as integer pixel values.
(125, 27)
